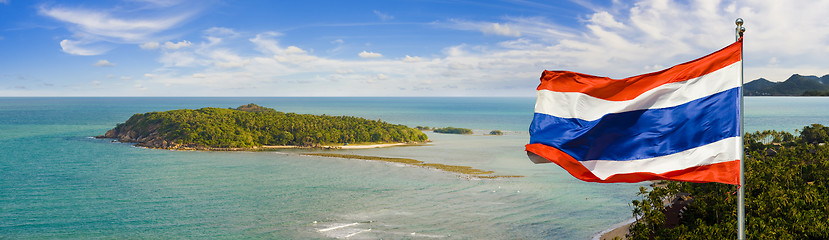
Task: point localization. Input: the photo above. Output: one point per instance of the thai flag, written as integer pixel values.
(681, 123)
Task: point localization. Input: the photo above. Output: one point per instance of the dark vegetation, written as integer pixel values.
(254, 108)
(496, 132)
(786, 195)
(251, 126)
(816, 93)
(796, 85)
(452, 130)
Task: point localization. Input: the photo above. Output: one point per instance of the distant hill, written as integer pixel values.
(254, 108)
(796, 85)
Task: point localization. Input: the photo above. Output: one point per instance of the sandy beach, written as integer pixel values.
(619, 230)
(360, 146)
(353, 146)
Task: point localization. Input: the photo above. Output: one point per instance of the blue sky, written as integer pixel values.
(382, 48)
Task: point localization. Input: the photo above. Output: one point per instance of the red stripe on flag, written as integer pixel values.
(718, 172)
(628, 88)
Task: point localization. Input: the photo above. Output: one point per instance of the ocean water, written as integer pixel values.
(57, 182)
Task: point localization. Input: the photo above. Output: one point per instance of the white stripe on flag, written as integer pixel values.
(717, 152)
(589, 108)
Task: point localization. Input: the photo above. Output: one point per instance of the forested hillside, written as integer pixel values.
(787, 181)
(796, 85)
(251, 126)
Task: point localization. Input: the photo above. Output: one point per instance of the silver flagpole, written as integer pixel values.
(741, 212)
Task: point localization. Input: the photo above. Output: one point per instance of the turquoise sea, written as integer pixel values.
(57, 182)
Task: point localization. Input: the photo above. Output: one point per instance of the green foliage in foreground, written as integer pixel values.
(787, 186)
(453, 130)
(230, 128)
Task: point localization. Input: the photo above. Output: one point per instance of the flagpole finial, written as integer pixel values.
(740, 29)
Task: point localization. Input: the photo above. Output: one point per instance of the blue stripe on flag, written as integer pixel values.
(642, 134)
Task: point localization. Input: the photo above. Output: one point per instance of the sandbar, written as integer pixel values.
(465, 170)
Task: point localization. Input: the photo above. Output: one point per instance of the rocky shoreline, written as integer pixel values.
(151, 140)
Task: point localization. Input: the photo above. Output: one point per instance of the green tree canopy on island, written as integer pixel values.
(453, 130)
(254, 125)
(787, 181)
(254, 108)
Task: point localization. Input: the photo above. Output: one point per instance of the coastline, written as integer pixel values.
(621, 229)
(617, 231)
(382, 145)
(352, 146)
(270, 147)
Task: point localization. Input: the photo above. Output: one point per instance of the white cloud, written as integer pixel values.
(537, 27)
(411, 59)
(80, 48)
(773, 61)
(226, 59)
(266, 43)
(365, 54)
(175, 46)
(103, 63)
(617, 41)
(113, 26)
(604, 19)
(485, 27)
(501, 29)
(217, 35)
(102, 24)
(294, 50)
(178, 59)
(160, 3)
(221, 32)
(383, 16)
(521, 43)
(149, 45)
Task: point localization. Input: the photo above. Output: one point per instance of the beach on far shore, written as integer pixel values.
(619, 230)
(350, 146)
(275, 147)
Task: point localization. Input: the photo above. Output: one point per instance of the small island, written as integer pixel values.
(453, 130)
(252, 126)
